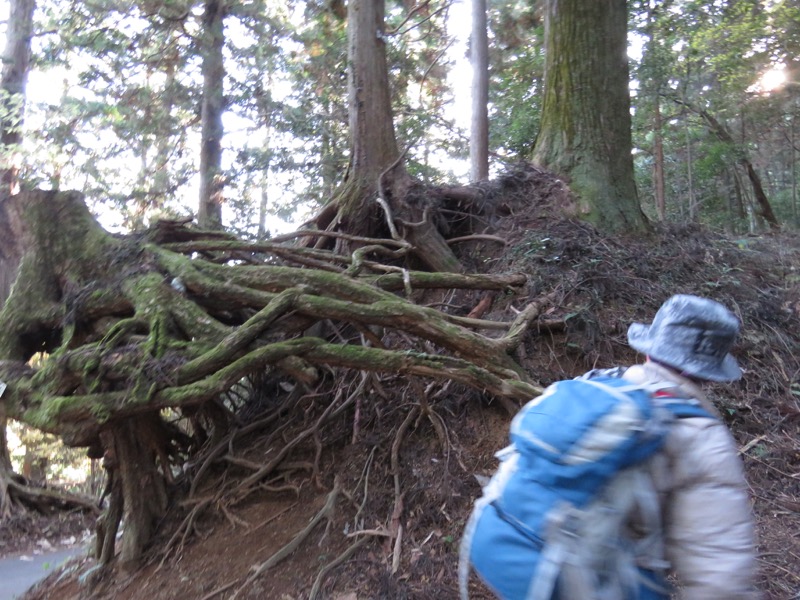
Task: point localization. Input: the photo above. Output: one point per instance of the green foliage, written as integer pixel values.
(10, 120)
(708, 56)
(125, 100)
(517, 76)
(418, 68)
(121, 120)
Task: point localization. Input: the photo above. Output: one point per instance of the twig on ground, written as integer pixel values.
(478, 236)
(343, 557)
(219, 590)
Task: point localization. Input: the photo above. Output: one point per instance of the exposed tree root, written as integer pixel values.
(108, 524)
(326, 512)
(178, 540)
(177, 322)
(339, 560)
(16, 494)
(248, 484)
(395, 522)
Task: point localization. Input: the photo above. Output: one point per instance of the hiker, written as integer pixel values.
(622, 476)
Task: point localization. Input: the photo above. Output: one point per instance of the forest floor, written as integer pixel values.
(409, 491)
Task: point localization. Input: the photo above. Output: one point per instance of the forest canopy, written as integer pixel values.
(115, 97)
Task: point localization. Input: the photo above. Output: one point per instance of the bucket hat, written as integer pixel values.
(693, 335)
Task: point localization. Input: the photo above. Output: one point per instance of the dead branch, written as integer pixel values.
(482, 306)
(246, 486)
(478, 237)
(523, 322)
(51, 497)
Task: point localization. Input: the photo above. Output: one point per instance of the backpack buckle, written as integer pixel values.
(564, 522)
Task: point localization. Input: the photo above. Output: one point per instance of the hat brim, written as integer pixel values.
(639, 337)
(726, 370)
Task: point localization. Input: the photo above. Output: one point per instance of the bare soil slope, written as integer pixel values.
(371, 502)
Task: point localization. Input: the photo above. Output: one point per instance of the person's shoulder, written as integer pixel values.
(704, 449)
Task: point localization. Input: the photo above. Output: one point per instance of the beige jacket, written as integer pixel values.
(709, 537)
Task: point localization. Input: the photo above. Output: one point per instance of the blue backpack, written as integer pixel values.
(553, 521)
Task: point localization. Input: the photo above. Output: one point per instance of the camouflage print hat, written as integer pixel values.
(693, 335)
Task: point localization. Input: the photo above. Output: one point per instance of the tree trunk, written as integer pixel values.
(6, 468)
(691, 204)
(373, 147)
(5, 456)
(160, 180)
(736, 209)
(15, 67)
(16, 63)
(144, 495)
(263, 204)
(328, 167)
(793, 170)
(479, 135)
(585, 132)
(376, 166)
(209, 213)
(658, 163)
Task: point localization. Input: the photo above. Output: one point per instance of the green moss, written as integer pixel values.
(47, 411)
(101, 412)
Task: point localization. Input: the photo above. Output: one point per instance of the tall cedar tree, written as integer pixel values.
(585, 133)
(16, 63)
(209, 213)
(373, 147)
(479, 135)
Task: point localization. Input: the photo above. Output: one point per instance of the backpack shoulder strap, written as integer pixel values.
(665, 394)
(680, 407)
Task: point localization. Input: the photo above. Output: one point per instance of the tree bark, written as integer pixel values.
(691, 202)
(376, 166)
(479, 136)
(209, 213)
(793, 170)
(658, 163)
(373, 147)
(585, 133)
(144, 496)
(764, 206)
(15, 67)
(16, 63)
(6, 468)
